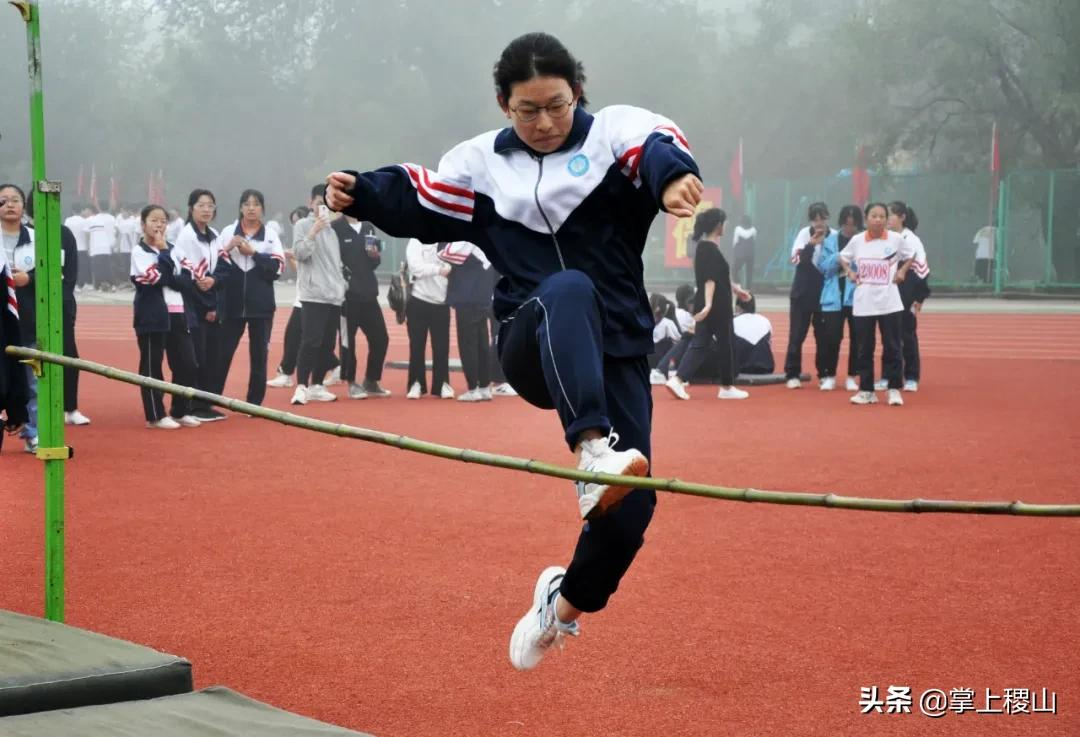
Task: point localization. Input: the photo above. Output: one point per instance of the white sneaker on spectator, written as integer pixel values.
(504, 390)
(299, 396)
(676, 386)
(281, 381)
(356, 391)
(864, 398)
(414, 391)
(165, 423)
(189, 421)
(485, 393)
(334, 378)
(319, 393)
(472, 395)
(881, 385)
(895, 398)
(793, 384)
(447, 391)
(30, 445)
(730, 392)
(599, 455)
(851, 385)
(828, 384)
(911, 385)
(75, 417)
(656, 378)
(539, 629)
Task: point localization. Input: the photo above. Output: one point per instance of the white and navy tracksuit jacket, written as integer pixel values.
(567, 231)
(160, 280)
(198, 254)
(587, 206)
(247, 282)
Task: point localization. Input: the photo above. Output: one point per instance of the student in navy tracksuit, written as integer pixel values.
(806, 289)
(14, 391)
(361, 254)
(196, 246)
(469, 294)
(561, 203)
(162, 320)
(914, 290)
(250, 259)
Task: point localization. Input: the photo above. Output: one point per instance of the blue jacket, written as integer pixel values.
(827, 261)
(587, 206)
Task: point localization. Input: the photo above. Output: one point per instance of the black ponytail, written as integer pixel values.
(706, 222)
(900, 209)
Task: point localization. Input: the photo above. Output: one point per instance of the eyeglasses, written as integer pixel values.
(529, 113)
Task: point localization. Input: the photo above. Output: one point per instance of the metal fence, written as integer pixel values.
(1036, 226)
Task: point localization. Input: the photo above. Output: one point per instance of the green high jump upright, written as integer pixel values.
(50, 325)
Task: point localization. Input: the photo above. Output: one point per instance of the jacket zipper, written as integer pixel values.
(536, 196)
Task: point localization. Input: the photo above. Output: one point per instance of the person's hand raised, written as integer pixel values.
(338, 186)
(681, 196)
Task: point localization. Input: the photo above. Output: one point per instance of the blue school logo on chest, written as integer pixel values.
(578, 165)
(28, 262)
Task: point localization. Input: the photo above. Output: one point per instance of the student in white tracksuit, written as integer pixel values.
(427, 313)
(882, 258)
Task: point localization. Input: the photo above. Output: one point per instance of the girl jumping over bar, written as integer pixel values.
(560, 202)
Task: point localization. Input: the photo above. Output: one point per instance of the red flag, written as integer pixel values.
(860, 179)
(735, 174)
(114, 193)
(80, 187)
(995, 169)
(93, 185)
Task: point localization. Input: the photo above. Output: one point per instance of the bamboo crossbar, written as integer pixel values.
(807, 499)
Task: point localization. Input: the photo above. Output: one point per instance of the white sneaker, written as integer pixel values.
(851, 385)
(485, 393)
(793, 384)
(76, 417)
(165, 423)
(864, 398)
(828, 384)
(414, 391)
(538, 630)
(356, 391)
(30, 445)
(895, 398)
(334, 378)
(447, 392)
(504, 390)
(677, 387)
(599, 455)
(909, 386)
(656, 378)
(730, 392)
(473, 395)
(189, 421)
(319, 393)
(881, 385)
(281, 381)
(299, 396)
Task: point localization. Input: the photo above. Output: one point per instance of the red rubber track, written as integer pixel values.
(377, 589)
